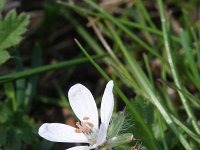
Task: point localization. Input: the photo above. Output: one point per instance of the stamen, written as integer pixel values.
(79, 125)
(78, 130)
(90, 125)
(86, 118)
(87, 129)
(84, 127)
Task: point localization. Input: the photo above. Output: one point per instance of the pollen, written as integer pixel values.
(84, 127)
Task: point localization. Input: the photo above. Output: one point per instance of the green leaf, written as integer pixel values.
(10, 94)
(2, 3)
(3, 135)
(33, 81)
(5, 114)
(121, 139)
(116, 124)
(4, 56)
(11, 29)
(21, 83)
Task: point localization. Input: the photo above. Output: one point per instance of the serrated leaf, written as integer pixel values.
(11, 29)
(4, 56)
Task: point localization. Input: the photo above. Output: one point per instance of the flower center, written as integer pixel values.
(88, 130)
(84, 127)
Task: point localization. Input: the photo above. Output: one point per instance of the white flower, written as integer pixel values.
(88, 131)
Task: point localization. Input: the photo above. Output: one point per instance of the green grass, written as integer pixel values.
(158, 65)
(130, 72)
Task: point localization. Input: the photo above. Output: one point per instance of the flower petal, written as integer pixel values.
(83, 103)
(79, 148)
(107, 104)
(101, 136)
(57, 132)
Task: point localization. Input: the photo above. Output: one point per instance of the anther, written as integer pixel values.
(84, 127)
(86, 118)
(78, 130)
(90, 124)
(78, 125)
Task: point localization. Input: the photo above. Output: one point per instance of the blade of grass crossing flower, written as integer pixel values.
(151, 144)
(148, 89)
(173, 68)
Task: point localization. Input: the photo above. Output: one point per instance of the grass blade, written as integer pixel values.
(174, 70)
(43, 69)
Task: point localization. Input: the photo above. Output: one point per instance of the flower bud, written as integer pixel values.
(116, 124)
(121, 139)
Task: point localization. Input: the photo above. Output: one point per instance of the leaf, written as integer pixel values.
(13, 139)
(2, 3)
(21, 83)
(3, 135)
(11, 29)
(33, 81)
(10, 94)
(4, 56)
(5, 114)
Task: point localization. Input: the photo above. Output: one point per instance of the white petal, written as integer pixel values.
(57, 132)
(107, 104)
(79, 148)
(83, 103)
(101, 137)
